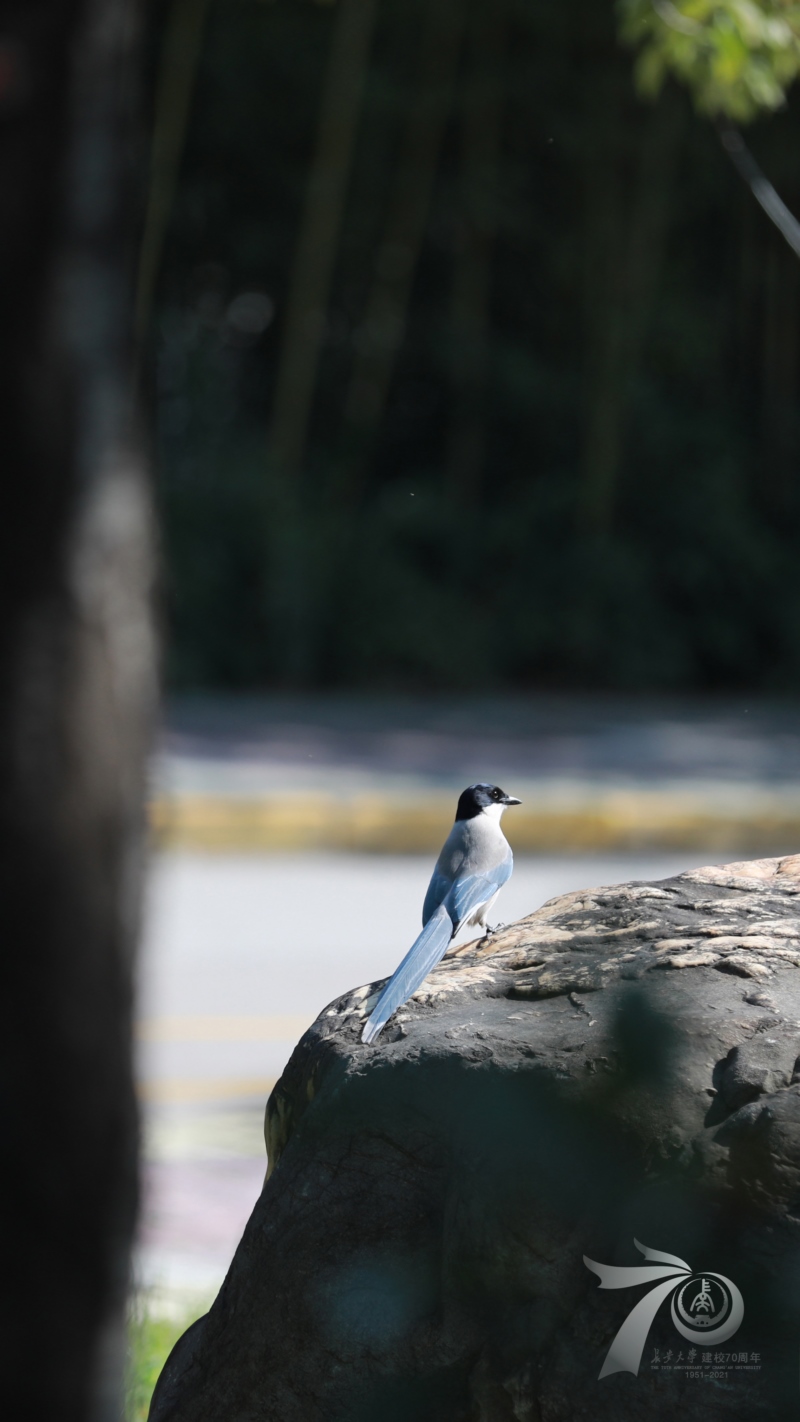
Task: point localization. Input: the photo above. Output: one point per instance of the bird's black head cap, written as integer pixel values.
(477, 797)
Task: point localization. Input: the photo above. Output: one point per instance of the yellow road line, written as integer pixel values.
(627, 820)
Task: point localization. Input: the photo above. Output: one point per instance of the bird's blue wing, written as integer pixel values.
(469, 893)
(438, 889)
(441, 917)
(420, 958)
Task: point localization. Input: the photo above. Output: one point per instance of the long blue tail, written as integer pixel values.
(420, 958)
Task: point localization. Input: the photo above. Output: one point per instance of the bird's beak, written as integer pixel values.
(509, 800)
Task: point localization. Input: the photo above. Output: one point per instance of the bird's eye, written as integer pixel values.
(495, 794)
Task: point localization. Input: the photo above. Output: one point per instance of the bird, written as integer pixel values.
(475, 862)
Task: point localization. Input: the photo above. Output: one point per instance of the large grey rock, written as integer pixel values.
(619, 1065)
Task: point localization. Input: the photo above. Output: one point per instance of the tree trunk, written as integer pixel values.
(76, 664)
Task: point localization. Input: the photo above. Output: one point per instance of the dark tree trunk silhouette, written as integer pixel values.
(77, 688)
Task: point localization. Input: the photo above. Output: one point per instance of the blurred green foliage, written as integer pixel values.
(151, 1339)
(584, 471)
(737, 57)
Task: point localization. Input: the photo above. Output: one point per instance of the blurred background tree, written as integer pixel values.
(736, 57)
(470, 363)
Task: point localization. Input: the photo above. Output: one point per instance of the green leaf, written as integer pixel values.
(736, 57)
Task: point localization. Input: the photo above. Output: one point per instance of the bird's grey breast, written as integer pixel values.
(473, 847)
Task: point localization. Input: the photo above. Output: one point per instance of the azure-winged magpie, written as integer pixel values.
(475, 862)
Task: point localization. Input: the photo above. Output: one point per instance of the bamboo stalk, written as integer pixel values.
(180, 55)
(471, 296)
(624, 283)
(383, 326)
(603, 234)
(319, 231)
(779, 374)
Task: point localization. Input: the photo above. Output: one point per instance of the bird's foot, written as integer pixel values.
(496, 928)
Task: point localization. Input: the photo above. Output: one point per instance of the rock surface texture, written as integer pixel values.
(620, 1065)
